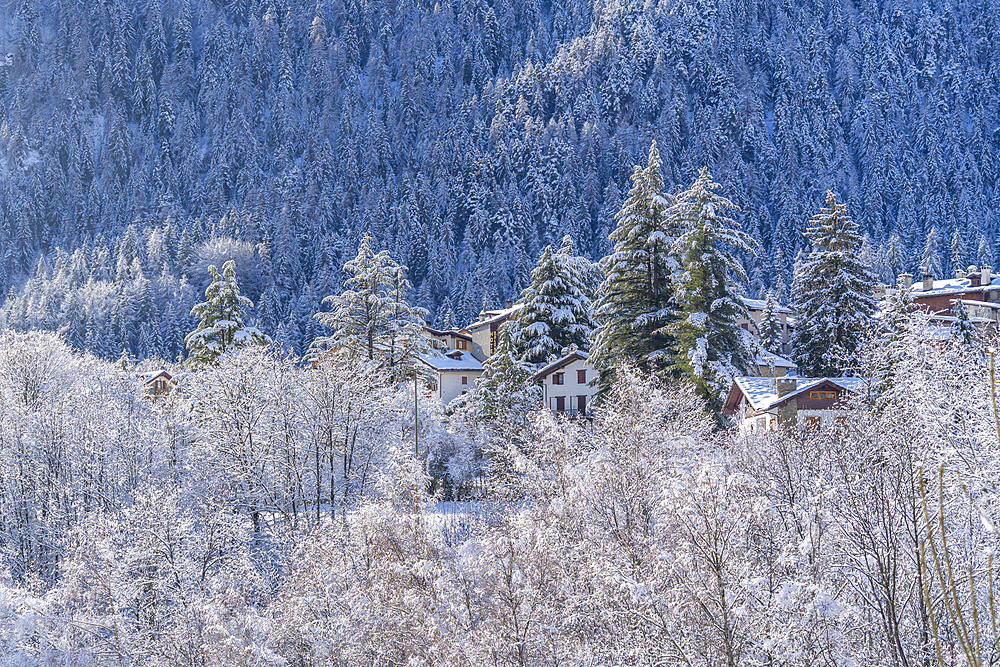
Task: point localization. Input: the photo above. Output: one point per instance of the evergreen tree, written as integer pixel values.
(503, 395)
(711, 348)
(832, 295)
(984, 256)
(895, 258)
(958, 253)
(555, 312)
(895, 323)
(221, 325)
(930, 260)
(963, 331)
(633, 303)
(371, 319)
(770, 337)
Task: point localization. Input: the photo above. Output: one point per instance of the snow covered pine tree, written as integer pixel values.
(770, 338)
(371, 319)
(832, 295)
(711, 348)
(556, 305)
(633, 305)
(221, 327)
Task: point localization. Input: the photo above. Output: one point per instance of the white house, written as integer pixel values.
(454, 372)
(766, 404)
(567, 384)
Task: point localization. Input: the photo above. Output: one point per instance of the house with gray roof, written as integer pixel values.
(761, 404)
(452, 372)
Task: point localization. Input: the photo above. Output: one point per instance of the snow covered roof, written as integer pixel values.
(775, 360)
(449, 332)
(454, 360)
(492, 316)
(758, 304)
(992, 305)
(762, 393)
(559, 363)
(148, 376)
(953, 286)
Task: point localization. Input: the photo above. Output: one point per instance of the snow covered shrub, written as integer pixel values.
(376, 588)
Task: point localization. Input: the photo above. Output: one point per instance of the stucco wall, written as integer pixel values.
(571, 389)
(450, 384)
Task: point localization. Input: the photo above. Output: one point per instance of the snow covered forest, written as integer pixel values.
(267, 514)
(143, 141)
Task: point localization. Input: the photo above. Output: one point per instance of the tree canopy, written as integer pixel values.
(221, 324)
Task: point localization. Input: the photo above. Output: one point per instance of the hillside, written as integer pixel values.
(143, 141)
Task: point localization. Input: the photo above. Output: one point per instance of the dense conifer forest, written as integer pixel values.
(143, 141)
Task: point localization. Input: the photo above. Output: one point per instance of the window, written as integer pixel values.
(823, 395)
(560, 404)
(465, 379)
(558, 378)
(811, 423)
(461, 344)
(581, 405)
(581, 376)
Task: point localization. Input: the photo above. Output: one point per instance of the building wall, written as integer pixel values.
(481, 339)
(450, 384)
(571, 390)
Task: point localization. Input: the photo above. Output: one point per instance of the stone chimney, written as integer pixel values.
(928, 281)
(785, 386)
(959, 274)
(974, 276)
(906, 279)
(986, 277)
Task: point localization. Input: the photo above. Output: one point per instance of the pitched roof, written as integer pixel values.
(495, 316)
(953, 286)
(449, 332)
(453, 360)
(758, 304)
(769, 359)
(762, 393)
(148, 376)
(559, 363)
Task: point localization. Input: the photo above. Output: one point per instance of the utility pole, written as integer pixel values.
(416, 422)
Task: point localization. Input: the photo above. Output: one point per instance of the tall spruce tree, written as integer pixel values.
(832, 295)
(770, 334)
(633, 308)
(556, 306)
(221, 327)
(710, 346)
(371, 319)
